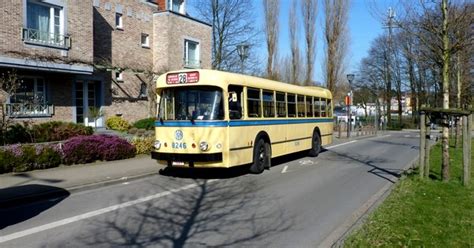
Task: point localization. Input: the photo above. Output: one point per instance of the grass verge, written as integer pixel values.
(423, 213)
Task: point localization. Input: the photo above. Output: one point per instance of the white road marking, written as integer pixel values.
(125, 183)
(305, 162)
(284, 169)
(329, 147)
(84, 216)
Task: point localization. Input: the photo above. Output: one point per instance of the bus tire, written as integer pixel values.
(315, 145)
(261, 157)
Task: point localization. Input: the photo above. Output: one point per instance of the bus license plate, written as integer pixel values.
(176, 163)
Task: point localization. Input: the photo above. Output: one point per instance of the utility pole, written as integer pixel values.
(389, 24)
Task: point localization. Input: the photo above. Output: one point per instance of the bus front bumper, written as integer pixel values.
(188, 158)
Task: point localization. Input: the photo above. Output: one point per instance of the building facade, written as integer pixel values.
(75, 56)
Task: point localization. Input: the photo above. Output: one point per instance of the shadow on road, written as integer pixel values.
(374, 164)
(222, 173)
(11, 209)
(208, 214)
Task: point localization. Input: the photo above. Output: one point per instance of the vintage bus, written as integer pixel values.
(210, 118)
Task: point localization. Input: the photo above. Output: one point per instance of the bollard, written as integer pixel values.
(422, 144)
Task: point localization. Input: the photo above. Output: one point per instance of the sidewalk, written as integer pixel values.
(17, 188)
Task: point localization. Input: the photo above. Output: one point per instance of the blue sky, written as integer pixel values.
(363, 28)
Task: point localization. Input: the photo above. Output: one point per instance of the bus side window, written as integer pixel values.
(301, 106)
(317, 107)
(323, 107)
(329, 108)
(235, 102)
(253, 103)
(291, 105)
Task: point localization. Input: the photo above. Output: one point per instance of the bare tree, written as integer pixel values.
(272, 10)
(295, 49)
(233, 23)
(9, 83)
(436, 23)
(309, 8)
(336, 40)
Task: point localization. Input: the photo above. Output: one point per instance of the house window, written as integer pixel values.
(44, 24)
(118, 21)
(176, 6)
(29, 98)
(191, 54)
(145, 40)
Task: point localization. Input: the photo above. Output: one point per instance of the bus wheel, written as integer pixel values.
(315, 145)
(261, 157)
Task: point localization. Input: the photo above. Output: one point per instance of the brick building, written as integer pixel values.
(72, 55)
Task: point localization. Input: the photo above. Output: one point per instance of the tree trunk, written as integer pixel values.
(445, 89)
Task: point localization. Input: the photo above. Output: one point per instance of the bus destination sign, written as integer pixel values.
(183, 78)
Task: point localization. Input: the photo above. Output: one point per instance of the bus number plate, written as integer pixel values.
(178, 145)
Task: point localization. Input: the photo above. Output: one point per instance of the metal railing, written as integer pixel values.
(193, 64)
(34, 36)
(29, 109)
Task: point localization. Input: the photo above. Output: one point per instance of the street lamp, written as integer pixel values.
(242, 51)
(350, 78)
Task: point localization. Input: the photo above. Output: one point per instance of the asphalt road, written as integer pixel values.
(299, 202)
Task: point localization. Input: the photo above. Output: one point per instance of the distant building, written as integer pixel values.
(72, 55)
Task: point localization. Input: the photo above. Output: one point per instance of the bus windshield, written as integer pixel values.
(191, 103)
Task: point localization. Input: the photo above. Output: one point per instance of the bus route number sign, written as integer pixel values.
(182, 78)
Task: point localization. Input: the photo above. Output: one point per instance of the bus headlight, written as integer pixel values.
(157, 144)
(204, 146)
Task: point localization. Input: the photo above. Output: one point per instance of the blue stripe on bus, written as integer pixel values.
(239, 123)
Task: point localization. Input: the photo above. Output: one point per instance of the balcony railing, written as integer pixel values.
(193, 64)
(29, 110)
(35, 36)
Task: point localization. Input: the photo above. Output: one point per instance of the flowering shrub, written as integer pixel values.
(117, 123)
(19, 158)
(87, 149)
(143, 145)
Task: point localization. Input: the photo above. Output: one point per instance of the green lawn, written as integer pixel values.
(423, 213)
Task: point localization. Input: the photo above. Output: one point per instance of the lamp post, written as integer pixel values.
(350, 78)
(242, 51)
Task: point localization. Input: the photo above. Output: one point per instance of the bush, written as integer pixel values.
(20, 158)
(57, 130)
(117, 123)
(147, 123)
(143, 145)
(17, 133)
(87, 149)
(7, 161)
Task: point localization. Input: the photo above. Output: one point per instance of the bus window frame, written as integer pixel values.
(284, 104)
(317, 108)
(287, 106)
(273, 102)
(253, 99)
(310, 110)
(298, 104)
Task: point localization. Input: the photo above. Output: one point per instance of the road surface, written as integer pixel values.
(299, 202)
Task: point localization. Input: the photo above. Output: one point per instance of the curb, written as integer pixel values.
(46, 195)
(337, 237)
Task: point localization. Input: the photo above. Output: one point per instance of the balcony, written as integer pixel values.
(33, 36)
(192, 64)
(29, 110)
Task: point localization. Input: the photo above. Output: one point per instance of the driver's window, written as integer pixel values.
(235, 102)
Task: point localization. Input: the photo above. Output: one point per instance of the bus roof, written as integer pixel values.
(223, 79)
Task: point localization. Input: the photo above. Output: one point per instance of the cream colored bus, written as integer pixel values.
(218, 119)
